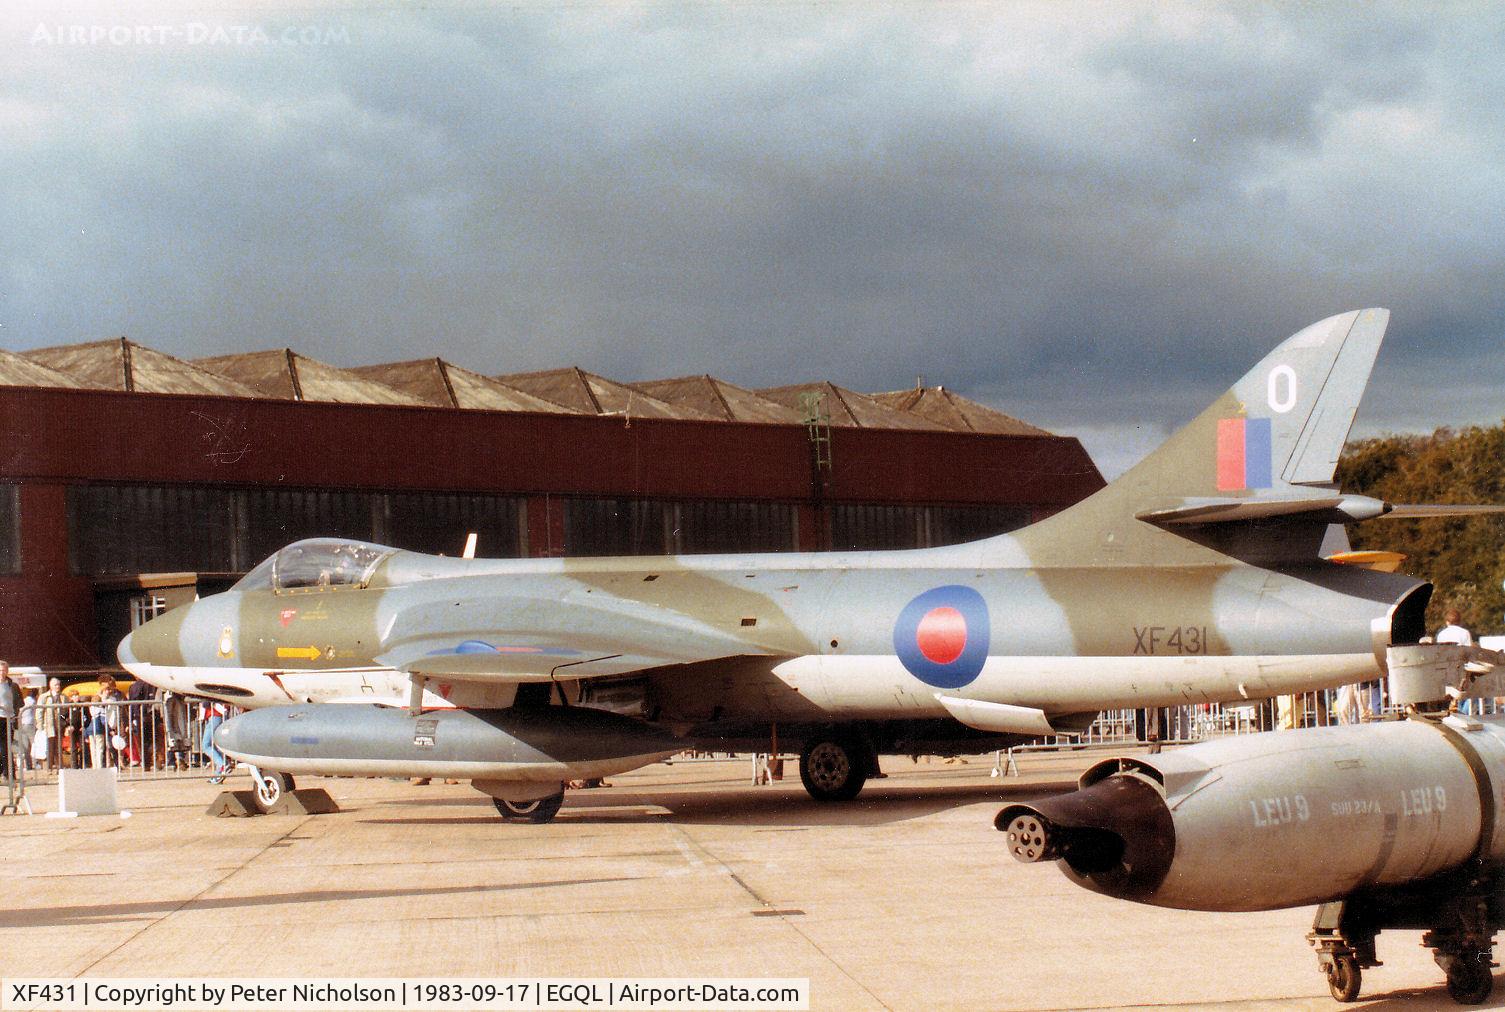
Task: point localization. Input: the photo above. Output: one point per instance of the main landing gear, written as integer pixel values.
(538, 810)
(834, 767)
(523, 801)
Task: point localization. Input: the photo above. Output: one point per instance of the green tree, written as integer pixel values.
(1463, 557)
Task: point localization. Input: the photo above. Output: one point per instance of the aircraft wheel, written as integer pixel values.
(1344, 978)
(834, 769)
(538, 810)
(271, 788)
(1470, 978)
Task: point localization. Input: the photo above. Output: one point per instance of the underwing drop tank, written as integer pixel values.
(519, 755)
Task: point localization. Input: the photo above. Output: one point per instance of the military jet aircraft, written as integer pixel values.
(1195, 577)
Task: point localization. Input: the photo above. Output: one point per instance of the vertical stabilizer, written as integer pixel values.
(1284, 423)
(1276, 434)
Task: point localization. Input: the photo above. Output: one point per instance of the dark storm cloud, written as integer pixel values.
(1088, 215)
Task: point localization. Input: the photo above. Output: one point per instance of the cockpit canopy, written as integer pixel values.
(318, 564)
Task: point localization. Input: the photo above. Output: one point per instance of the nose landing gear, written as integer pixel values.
(270, 788)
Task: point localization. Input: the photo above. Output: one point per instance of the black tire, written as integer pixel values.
(270, 788)
(1471, 978)
(834, 769)
(1344, 978)
(539, 810)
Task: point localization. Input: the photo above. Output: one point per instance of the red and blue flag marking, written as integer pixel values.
(942, 636)
(1243, 454)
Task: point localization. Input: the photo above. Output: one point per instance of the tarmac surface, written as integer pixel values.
(904, 899)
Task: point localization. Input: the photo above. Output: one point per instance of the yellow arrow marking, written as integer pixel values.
(306, 653)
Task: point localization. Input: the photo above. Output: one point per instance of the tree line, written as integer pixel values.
(1463, 557)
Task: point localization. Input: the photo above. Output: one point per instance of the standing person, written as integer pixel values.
(96, 728)
(214, 712)
(111, 698)
(26, 729)
(50, 721)
(175, 715)
(1454, 632)
(10, 709)
(143, 726)
(1350, 708)
(75, 718)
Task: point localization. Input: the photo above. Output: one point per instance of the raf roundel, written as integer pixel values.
(942, 636)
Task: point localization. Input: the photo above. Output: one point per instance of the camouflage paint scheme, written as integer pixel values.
(1169, 586)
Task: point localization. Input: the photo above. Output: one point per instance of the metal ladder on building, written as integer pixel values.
(817, 427)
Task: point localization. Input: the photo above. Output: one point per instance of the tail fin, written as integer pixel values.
(1282, 425)
(1268, 446)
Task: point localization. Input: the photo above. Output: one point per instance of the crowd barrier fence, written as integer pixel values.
(154, 738)
(142, 739)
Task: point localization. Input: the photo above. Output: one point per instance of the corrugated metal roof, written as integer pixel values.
(122, 364)
(954, 411)
(848, 407)
(588, 393)
(445, 384)
(283, 374)
(719, 399)
(20, 371)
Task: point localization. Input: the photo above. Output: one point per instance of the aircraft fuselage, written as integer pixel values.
(869, 636)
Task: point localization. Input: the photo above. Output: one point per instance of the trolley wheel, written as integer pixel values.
(1471, 978)
(1344, 978)
(834, 769)
(271, 788)
(538, 810)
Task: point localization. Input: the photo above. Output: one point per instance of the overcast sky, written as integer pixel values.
(1092, 216)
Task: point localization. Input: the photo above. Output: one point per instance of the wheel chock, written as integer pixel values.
(306, 801)
(233, 804)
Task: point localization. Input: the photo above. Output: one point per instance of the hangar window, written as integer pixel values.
(145, 607)
(715, 527)
(615, 527)
(10, 530)
(953, 525)
(437, 523)
(275, 517)
(868, 527)
(653, 527)
(116, 529)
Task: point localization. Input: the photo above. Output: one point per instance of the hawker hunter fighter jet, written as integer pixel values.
(1196, 577)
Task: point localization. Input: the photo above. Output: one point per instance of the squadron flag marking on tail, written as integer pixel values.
(1243, 454)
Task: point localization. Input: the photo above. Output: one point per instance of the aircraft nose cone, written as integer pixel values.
(124, 653)
(154, 645)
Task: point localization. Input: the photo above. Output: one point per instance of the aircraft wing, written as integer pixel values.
(518, 639)
(1214, 510)
(517, 668)
(1333, 508)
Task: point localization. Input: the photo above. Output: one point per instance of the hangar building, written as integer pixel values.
(132, 480)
